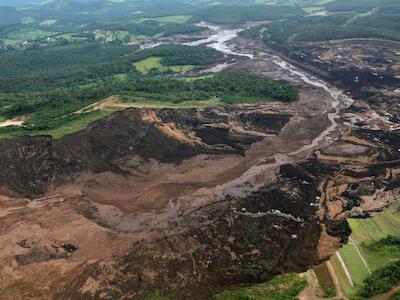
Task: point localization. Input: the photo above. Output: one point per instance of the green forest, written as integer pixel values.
(69, 65)
(317, 28)
(54, 108)
(381, 280)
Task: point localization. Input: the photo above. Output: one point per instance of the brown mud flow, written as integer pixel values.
(187, 202)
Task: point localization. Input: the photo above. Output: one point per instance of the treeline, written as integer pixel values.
(70, 65)
(381, 281)
(240, 14)
(389, 21)
(360, 6)
(227, 86)
(60, 59)
(388, 242)
(230, 88)
(70, 11)
(51, 109)
(315, 29)
(149, 28)
(175, 55)
(61, 66)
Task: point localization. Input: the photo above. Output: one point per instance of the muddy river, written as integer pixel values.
(221, 39)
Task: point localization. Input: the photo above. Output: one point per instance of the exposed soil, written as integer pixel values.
(18, 121)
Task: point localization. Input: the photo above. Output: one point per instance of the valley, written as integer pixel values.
(212, 162)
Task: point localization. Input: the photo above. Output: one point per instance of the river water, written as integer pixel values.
(219, 39)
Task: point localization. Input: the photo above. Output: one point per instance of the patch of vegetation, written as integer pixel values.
(239, 14)
(121, 76)
(377, 241)
(344, 282)
(67, 124)
(153, 64)
(27, 20)
(146, 65)
(315, 29)
(381, 281)
(69, 65)
(329, 292)
(169, 19)
(313, 9)
(54, 111)
(196, 78)
(28, 34)
(390, 242)
(282, 287)
(230, 88)
(155, 27)
(76, 123)
(180, 55)
(138, 102)
(61, 66)
(354, 263)
(183, 68)
(356, 5)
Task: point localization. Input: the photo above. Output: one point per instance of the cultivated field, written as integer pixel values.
(363, 255)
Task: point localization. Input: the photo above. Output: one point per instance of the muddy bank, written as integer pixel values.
(32, 165)
(195, 244)
(181, 186)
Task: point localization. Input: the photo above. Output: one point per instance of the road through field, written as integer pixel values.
(346, 271)
(339, 290)
(354, 243)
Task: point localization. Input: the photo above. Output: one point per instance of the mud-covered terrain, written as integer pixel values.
(187, 202)
(367, 71)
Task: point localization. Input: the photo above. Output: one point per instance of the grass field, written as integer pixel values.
(154, 63)
(29, 34)
(163, 104)
(360, 256)
(313, 9)
(10, 42)
(65, 36)
(68, 128)
(183, 68)
(27, 20)
(78, 124)
(138, 37)
(281, 287)
(121, 76)
(48, 22)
